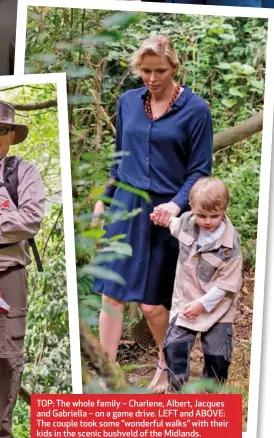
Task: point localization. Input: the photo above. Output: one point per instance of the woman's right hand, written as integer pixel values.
(99, 208)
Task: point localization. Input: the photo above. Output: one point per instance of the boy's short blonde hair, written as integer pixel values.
(157, 45)
(209, 194)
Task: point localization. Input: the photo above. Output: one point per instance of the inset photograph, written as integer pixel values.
(34, 322)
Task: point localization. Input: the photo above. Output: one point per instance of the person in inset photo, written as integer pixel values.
(8, 12)
(22, 204)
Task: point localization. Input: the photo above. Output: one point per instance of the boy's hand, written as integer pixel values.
(193, 309)
(162, 213)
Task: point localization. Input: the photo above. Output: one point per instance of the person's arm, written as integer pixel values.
(25, 222)
(175, 224)
(200, 156)
(212, 298)
(228, 280)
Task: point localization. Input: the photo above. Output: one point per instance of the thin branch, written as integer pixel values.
(24, 394)
(50, 110)
(11, 88)
(35, 106)
(51, 232)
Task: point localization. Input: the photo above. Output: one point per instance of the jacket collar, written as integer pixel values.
(190, 235)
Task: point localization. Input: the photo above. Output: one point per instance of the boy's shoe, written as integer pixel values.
(4, 307)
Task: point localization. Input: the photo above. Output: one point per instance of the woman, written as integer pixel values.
(167, 131)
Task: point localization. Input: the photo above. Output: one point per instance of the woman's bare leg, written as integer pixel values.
(157, 319)
(110, 325)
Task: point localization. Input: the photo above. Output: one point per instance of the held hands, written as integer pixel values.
(193, 309)
(162, 213)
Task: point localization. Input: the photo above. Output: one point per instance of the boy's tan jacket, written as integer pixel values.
(18, 225)
(216, 264)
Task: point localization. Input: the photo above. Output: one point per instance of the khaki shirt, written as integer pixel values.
(216, 264)
(18, 225)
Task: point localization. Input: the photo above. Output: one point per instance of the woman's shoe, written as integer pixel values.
(159, 383)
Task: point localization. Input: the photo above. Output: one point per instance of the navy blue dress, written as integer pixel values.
(243, 3)
(165, 157)
(267, 3)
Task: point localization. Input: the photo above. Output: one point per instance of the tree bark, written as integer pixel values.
(24, 394)
(238, 133)
(35, 106)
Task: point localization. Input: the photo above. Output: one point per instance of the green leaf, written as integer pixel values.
(118, 237)
(235, 92)
(134, 190)
(88, 156)
(108, 200)
(103, 273)
(97, 191)
(229, 103)
(224, 66)
(121, 19)
(94, 233)
(93, 301)
(119, 247)
(247, 69)
(259, 85)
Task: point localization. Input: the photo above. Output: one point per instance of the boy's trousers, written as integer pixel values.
(217, 349)
(13, 284)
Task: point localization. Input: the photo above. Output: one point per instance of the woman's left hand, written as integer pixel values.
(163, 212)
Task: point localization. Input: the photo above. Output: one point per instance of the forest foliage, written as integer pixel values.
(222, 59)
(47, 361)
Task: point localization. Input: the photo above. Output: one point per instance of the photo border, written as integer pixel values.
(266, 149)
(59, 79)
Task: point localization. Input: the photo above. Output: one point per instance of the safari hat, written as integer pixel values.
(7, 113)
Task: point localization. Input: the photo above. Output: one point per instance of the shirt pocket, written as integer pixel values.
(207, 266)
(185, 245)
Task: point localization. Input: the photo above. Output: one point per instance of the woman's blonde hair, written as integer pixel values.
(209, 194)
(157, 45)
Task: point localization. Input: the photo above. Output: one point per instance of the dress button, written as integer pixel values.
(147, 158)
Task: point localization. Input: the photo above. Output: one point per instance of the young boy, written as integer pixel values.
(208, 277)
